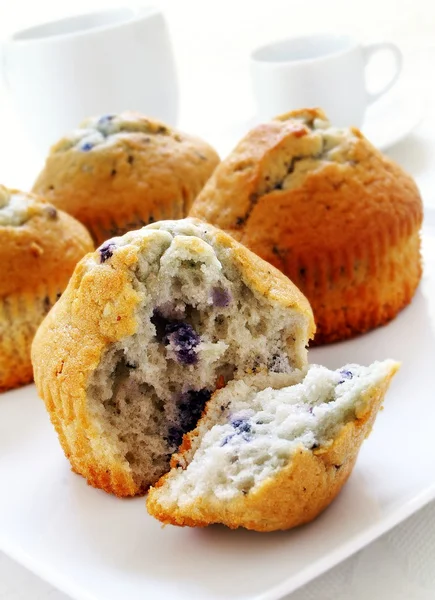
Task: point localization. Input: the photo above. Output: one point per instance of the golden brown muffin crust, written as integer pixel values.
(44, 249)
(125, 173)
(321, 207)
(39, 249)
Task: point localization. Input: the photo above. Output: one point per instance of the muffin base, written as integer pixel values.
(359, 289)
(20, 317)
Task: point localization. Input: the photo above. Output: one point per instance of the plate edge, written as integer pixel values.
(356, 544)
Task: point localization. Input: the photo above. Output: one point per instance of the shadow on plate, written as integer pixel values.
(211, 562)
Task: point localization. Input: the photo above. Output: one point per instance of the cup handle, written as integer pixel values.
(368, 51)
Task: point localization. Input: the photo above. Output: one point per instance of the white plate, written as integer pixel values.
(94, 546)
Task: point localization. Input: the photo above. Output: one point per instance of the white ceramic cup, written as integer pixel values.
(325, 70)
(104, 62)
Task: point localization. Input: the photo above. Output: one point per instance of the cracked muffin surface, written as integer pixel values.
(120, 172)
(341, 220)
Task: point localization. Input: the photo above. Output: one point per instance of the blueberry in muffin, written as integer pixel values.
(265, 458)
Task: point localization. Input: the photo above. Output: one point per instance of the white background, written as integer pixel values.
(212, 42)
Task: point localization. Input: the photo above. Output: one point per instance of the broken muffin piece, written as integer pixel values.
(149, 327)
(268, 459)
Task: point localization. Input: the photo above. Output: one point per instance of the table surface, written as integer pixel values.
(212, 42)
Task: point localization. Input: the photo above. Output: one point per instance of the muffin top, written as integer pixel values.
(16, 208)
(118, 172)
(297, 182)
(39, 245)
(98, 133)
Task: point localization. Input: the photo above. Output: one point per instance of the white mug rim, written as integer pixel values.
(136, 14)
(352, 44)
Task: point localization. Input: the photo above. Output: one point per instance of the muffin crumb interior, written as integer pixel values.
(199, 326)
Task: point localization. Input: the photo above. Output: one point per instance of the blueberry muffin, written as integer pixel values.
(120, 172)
(330, 211)
(39, 249)
(149, 327)
(272, 459)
